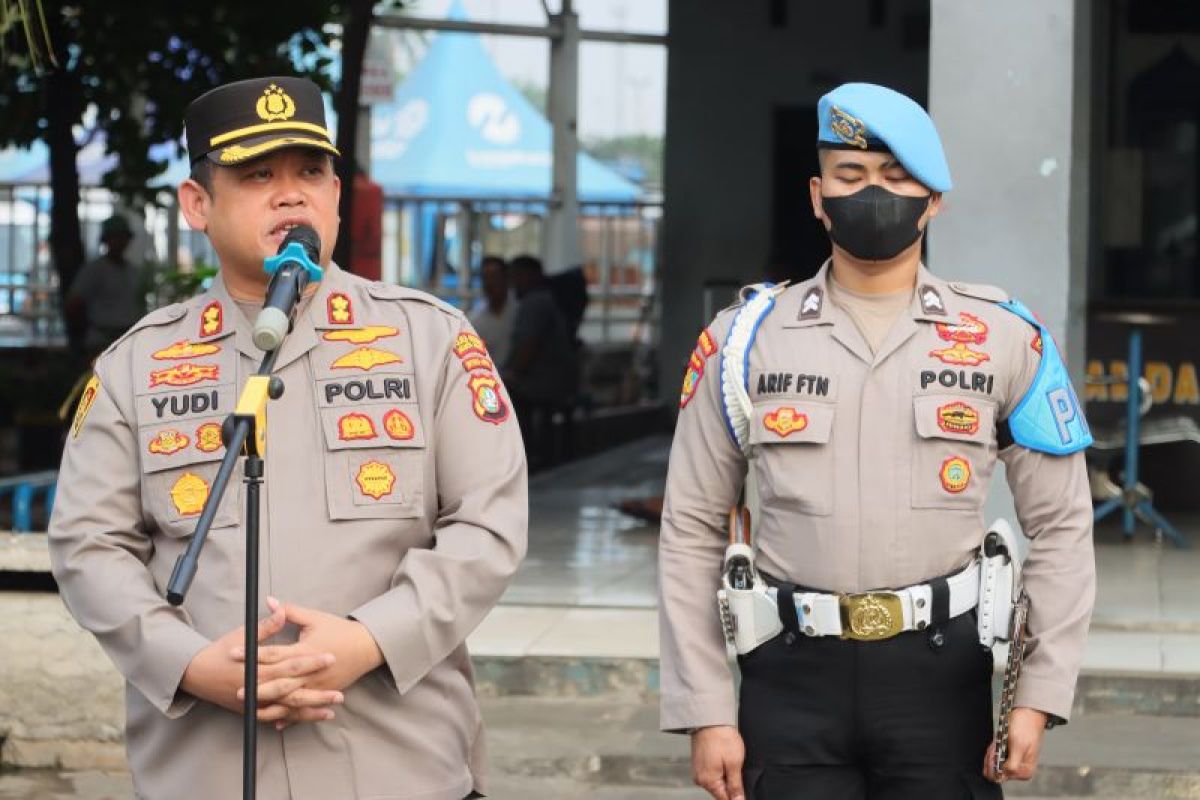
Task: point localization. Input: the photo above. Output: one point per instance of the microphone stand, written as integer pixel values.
(244, 432)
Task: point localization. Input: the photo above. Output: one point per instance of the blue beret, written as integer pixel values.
(869, 117)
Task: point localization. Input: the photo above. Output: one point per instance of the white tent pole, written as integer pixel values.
(560, 243)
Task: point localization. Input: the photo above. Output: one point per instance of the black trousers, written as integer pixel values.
(907, 718)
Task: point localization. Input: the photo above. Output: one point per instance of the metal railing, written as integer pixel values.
(427, 243)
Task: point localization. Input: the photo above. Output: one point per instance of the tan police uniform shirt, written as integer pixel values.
(860, 461)
(395, 494)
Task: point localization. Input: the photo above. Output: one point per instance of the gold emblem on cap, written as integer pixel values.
(275, 105)
(850, 130)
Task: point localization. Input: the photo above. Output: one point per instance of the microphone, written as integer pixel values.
(290, 270)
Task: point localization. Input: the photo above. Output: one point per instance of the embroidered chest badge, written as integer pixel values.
(398, 425)
(375, 479)
(356, 426)
(167, 442)
(208, 437)
(955, 474)
(958, 418)
(783, 422)
(185, 349)
(189, 494)
(364, 335)
(366, 358)
(212, 319)
(960, 354)
(338, 309)
(970, 329)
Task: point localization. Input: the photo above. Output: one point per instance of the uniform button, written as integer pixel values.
(921, 625)
(921, 602)
(937, 639)
(789, 639)
(809, 630)
(807, 609)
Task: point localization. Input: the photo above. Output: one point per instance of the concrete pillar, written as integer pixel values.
(1009, 89)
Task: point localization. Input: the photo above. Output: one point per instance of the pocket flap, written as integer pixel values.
(791, 422)
(956, 418)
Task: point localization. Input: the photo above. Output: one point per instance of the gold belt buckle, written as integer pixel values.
(871, 616)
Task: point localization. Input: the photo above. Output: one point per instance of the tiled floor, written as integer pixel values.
(588, 584)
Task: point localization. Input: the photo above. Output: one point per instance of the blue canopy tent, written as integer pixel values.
(457, 128)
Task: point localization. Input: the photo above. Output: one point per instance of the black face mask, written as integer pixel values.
(874, 224)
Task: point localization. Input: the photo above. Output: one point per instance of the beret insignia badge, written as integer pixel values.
(850, 130)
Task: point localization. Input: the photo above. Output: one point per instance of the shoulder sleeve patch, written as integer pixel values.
(980, 291)
(1049, 418)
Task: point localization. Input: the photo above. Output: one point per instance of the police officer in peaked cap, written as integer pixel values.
(387, 534)
(866, 408)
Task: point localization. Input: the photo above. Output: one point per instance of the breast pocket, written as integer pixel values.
(954, 451)
(179, 464)
(794, 455)
(374, 461)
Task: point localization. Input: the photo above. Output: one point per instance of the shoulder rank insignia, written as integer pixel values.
(366, 358)
(375, 479)
(167, 442)
(86, 400)
(365, 335)
(189, 494)
(212, 319)
(185, 349)
(338, 309)
(810, 306)
(707, 344)
(486, 401)
(691, 379)
(785, 421)
(398, 425)
(931, 301)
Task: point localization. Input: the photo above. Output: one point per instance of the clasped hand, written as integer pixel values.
(300, 682)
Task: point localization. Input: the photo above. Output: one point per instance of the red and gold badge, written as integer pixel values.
(970, 329)
(375, 479)
(86, 400)
(184, 375)
(398, 425)
(472, 363)
(486, 401)
(960, 354)
(691, 379)
(706, 343)
(1036, 344)
(958, 418)
(356, 426)
(167, 442)
(366, 358)
(466, 343)
(338, 309)
(785, 421)
(208, 437)
(185, 349)
(189, 494)
(365, 335)
(955, 474)
(212, 319)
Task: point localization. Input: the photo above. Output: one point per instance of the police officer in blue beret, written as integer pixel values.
(865, 410)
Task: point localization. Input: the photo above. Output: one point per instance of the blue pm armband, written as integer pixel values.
(1049, 418)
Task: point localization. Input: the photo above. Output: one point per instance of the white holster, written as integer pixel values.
(749, 617)
(999, 582)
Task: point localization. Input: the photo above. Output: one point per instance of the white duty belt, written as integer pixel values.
(871, 616)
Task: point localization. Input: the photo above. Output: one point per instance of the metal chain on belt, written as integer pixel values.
(1012, 672)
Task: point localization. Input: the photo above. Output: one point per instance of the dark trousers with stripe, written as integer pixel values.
(906, 718)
